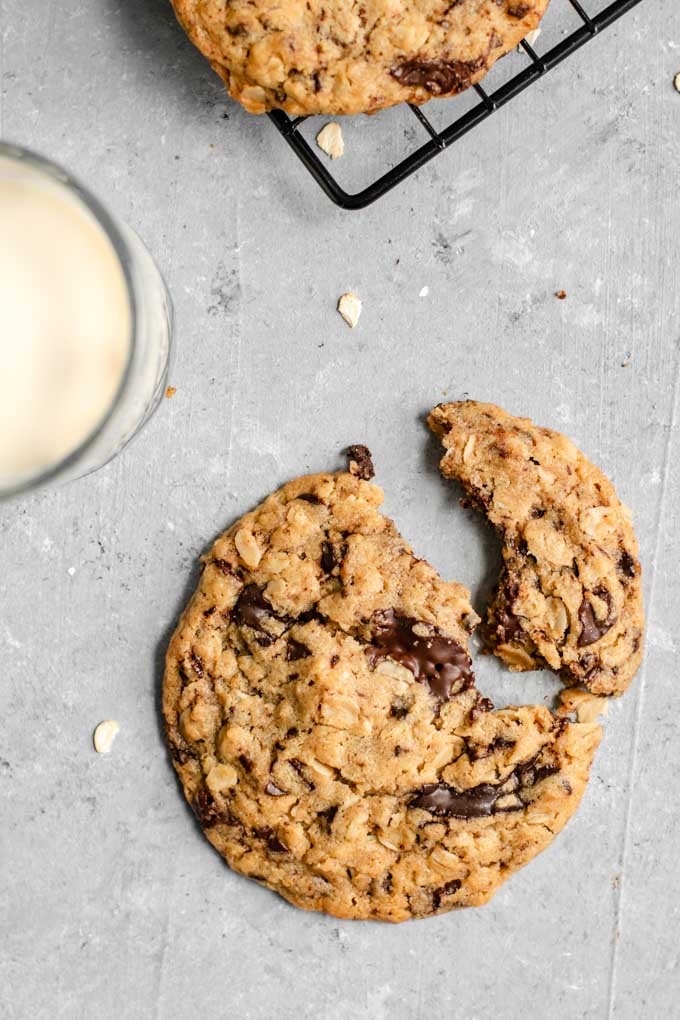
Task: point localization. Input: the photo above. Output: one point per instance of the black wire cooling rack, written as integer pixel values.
(585, 27)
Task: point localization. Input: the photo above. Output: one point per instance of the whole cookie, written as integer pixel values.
(340, 56)
(323, 719)
(570, 595)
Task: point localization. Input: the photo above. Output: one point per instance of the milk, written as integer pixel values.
(65, 322)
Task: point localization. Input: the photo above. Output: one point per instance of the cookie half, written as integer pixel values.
(570, 594)
(338, 56)
(323, 718)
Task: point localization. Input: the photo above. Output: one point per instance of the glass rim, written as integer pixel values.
(61, 176)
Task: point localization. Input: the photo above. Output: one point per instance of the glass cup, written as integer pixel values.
(144, 377)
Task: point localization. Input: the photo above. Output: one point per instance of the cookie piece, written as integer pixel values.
(569, 596)
(322, 716)
(338, 56)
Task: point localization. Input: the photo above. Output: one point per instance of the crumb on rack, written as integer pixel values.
(561, 294)
(330, 140)
(530, 38)
(170, 392)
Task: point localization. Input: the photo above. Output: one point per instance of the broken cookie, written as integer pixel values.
(323, 717)
(570, 594)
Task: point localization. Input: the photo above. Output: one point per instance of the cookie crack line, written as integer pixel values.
(325, 723)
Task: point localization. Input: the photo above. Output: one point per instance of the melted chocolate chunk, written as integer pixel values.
(273, 790)
(252, 609)
(479, 801)
(360, 462)
(328, 559)
(445, 890)
(518, 11)
(197, 665)
(627, 564)
(438, 76)
(246, 763)
(296, 650)
(445, 802)
(593, 629)
(439, 661)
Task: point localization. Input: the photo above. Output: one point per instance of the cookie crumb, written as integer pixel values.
(530, 38)
(424, 292)
(330, 140)
(585, 707)
(561, 294)
(170, 391)
(349, 307)
(676, 82)
(104, 736)
(360, 462)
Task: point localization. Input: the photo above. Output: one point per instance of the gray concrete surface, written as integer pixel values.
(113, 905)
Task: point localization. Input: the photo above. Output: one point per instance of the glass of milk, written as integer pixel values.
(85, 327)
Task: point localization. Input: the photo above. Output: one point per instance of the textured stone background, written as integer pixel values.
(112, 903)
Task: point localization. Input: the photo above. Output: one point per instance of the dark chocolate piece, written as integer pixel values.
(445, 890)
(480, 801)
(445, 802)
(328, 560)
(439, 661)
(360, 463)
(593, 629)
(206, 810)
(296, 650)
(310, 498)
(227, 569)
(440, 77)
(276, 845)
(627, 564)
(197, 664)
(252, 609)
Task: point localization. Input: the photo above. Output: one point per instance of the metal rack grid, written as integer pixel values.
(440, 140)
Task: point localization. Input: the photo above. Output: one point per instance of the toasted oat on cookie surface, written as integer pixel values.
(570, 594)
(344, 57)
(323, 718)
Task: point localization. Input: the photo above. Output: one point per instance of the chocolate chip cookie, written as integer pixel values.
(341, 56)
(324, 721)
(570, 595)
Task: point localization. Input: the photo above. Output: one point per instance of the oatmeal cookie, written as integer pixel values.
(323, 718)
(341, 56)
(570, 595)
